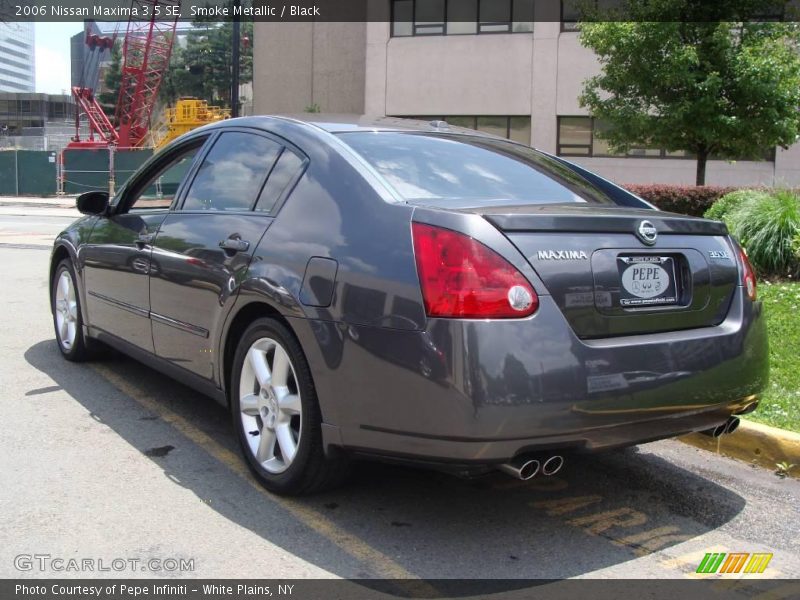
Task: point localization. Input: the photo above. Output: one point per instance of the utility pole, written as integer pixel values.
(235, 41)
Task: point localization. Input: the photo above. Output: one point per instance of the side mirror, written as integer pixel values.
(93, 203)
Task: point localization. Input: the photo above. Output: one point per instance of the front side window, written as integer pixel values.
(158, 191)
(232, 173)
(461, 167)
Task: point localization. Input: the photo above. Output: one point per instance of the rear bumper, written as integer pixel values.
(482, 392)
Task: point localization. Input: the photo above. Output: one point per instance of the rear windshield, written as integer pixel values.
(426, 166)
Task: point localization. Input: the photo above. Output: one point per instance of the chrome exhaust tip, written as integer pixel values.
(748, 408)
(523, 470)
(727, 427)
(716, 431)
(732, 425)
(552, 465)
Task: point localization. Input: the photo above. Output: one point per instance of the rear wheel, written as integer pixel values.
(66, 308)
(276, 414)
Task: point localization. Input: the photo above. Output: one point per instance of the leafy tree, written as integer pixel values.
(203, 68)
(703, 77)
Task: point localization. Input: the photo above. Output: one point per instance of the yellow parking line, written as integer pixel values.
(379, 562)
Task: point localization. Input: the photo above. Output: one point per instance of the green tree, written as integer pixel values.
(202, 68)
(678, 74)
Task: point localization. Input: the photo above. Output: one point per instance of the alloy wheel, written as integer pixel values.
(270, 406)
(66, 311)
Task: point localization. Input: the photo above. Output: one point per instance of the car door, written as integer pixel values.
(116, 260)
(204, 247)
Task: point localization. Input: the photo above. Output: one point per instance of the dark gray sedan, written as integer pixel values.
(411, 291)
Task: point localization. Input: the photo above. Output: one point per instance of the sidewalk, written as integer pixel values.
(25, 206)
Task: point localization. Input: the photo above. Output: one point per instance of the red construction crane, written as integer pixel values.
(145, 57)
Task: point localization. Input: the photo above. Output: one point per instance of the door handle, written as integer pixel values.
(144, 239)
(234, 244)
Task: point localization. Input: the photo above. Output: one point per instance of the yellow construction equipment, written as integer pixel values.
(188, 114)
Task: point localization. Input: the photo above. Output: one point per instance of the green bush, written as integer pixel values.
(768, 227)
(730, 202)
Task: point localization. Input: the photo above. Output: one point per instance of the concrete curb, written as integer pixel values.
(754, 443)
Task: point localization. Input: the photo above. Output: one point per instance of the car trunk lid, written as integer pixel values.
(617, 271)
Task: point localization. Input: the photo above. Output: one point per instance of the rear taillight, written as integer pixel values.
(748, 273)
(460, 277)
(748, 276)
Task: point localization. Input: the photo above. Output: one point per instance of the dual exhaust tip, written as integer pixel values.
(726, 428)
(525, 468)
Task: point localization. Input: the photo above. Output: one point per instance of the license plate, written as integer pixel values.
(647, 281)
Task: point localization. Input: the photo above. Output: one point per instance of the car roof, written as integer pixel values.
(340, 123)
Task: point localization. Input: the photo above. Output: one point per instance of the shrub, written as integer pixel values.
(729, 203)
(796, 246)
(768, 227)
(684, 199)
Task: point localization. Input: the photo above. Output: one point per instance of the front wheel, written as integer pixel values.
(66, 308)
(276, 414)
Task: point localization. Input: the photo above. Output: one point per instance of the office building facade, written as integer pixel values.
(17, 57)
(493, 67)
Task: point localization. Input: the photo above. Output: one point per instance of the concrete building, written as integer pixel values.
(36, 121)
(17, 58)
(502, 70)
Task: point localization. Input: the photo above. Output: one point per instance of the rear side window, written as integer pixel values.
(434, 167)
(232, 172)
(283, 173)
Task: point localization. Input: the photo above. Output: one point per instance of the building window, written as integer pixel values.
(574, 136)
(429, 17)
(460, 17)
(402, 18)
(570, 14)
(514, 128)
(572, 11)
(577, 137)
(495, 17)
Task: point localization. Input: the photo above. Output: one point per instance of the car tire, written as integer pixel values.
(65, 305)
(276, 414)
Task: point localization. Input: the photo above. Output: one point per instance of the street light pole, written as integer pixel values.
(235, 41)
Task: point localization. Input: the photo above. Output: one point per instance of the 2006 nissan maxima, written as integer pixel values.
(411, 291)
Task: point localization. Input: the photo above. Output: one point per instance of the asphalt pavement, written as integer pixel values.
(111, 460)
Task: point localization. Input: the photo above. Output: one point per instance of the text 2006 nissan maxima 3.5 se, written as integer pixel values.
(411, 291)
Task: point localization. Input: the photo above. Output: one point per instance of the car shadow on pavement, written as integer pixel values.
(599, 512)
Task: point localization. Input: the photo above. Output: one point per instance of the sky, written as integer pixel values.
(52, 56)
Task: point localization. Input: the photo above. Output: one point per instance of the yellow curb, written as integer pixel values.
(754, 443)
